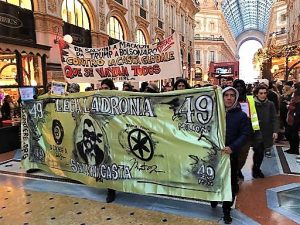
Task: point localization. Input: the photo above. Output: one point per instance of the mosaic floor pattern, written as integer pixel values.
(19, 206)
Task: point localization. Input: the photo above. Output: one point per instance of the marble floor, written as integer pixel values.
(38, 200)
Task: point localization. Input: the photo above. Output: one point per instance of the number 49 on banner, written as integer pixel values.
(37, 110)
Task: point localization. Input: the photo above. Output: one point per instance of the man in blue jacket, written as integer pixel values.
(237, 133)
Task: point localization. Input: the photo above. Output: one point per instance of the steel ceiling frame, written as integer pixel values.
(243, 15)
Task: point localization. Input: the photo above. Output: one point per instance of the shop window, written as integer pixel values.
(32, 70)
(114, 29)
(25, 4)
(8, 69)
(73, 12)
(140, 37)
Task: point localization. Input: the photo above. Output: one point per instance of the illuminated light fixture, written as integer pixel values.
(192, 69)
(33, 83)
(68, 38)
(184, 67)
(276, 67)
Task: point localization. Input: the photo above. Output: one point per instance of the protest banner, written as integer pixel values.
(122, 61)
(58, 88)
(166, 144)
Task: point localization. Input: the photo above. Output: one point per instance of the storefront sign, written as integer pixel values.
(168, 143)
(10, 21)
(122, 61)
(13, 26)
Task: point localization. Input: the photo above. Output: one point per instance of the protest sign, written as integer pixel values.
(122, 61)
(166, 144)
(27, 93)
(58, 88)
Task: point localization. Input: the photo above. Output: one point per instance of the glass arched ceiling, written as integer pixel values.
(245, 15)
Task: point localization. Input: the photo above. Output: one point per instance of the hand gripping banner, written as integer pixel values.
(121, 61)
(165, 144)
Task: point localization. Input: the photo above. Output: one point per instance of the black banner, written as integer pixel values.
(81, 37)
(16, 23)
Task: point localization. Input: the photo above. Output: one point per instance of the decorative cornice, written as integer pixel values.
(142, 22)
(48, 23)
(113, 5)
(159, 31)
(52, 6)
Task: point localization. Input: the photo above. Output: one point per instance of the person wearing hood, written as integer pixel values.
(263, 139)
(237, 133)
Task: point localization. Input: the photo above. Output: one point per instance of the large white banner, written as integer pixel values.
(122, 61)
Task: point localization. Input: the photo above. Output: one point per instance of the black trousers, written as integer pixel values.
(258, 156)
(292, 135)
(234, 182)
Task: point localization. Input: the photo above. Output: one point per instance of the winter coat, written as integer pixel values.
(238, 129)
(268, 122)
(293, 115)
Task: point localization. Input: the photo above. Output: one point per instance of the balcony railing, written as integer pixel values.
(208, 38)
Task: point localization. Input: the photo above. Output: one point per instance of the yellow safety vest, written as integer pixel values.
(253, 114)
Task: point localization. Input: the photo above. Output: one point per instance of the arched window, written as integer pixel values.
(73, 12)
(114, 29)
(140, 37)
(25, 4)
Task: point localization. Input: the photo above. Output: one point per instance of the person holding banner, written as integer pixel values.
(248, 106)
(152, 88)
(237, 133)
(181, 84)
(108, 84)
(127, 86)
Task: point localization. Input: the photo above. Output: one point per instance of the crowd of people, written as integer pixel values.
(257, 115)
